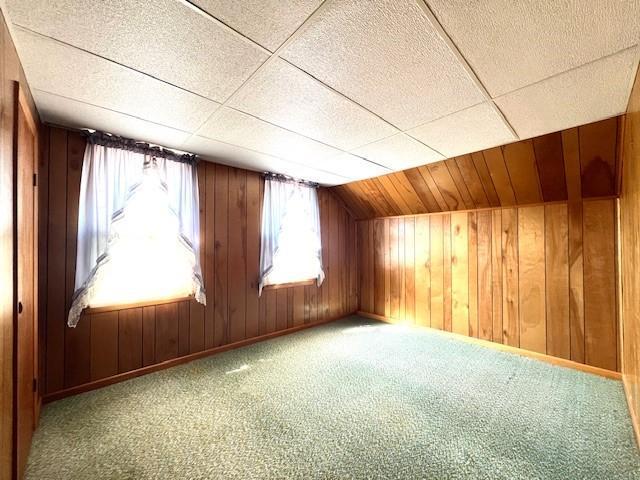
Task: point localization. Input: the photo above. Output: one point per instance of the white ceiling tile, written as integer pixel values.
(510, 43)
(163, 38)
(71, 113)
(354, 167)
(238, 128)
(97, 81)
(398, 152)
(387, 56)
(283, 95)
(586, 94)
(237, 156)
(470, 130)
(267, 22)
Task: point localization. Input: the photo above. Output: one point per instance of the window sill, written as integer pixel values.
(125, 306)
(301, 283)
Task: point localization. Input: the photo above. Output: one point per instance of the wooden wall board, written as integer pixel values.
(505, 275)
(576, 163)
(125, 341)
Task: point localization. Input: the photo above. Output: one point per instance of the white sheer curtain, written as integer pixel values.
(291, 247)
(138, 230)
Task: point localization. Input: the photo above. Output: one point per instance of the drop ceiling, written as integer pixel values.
(330, 91)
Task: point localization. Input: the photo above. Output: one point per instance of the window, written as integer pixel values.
(291, 249)
(138, 226)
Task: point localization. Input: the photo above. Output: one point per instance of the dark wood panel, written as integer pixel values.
(230, 206)
(545, 168)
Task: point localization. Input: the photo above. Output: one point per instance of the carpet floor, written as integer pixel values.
(348, 400)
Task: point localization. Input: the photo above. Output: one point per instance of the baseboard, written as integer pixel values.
(103, 382)
(635, 421)
(562, 362)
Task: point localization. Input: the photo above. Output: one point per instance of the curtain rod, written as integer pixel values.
(116, 141)
(285, 178)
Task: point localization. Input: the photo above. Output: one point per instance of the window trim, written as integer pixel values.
(125, 306)
(299, 283)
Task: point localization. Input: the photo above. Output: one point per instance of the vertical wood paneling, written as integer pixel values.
(409, 270)
(422, 274)
(120, 341)
(510, 310)
(221, 259)
(460, 273)
(378, 251)
(129, 339)
(496, 274)
(485, 297)
(629, 254)
(437, 272)
(237, 254)
(446, 272)
(531, 278)
(473, 274)
(599, 275)
(504, 275)
(557, 280)
(56, 237)
(104, 345)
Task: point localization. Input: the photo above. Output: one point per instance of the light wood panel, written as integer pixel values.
(503, 275)
(11, 75)
(112, 343)
(580, 162)
(629, 255)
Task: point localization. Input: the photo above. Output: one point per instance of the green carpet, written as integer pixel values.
(348, 400)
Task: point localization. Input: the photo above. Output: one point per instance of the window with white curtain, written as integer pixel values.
(291, 247)
(138, 226)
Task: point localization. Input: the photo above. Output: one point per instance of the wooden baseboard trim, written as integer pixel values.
(103, 382)
(635, 421)
(562, 362)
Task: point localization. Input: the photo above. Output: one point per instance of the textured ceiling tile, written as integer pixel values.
(510, 44)
(267, 22)
(470, 130)
(283, 95)
(353, 166)
(237, 156)
(163, 38)
(70, 113)
(398, 152)
(387, 56)
(56, 68)
(584, 95)
(238, 128)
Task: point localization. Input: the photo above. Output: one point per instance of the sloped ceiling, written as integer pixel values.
(580, 162)
(331, 91)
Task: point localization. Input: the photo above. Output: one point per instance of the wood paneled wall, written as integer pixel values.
(10, 72)
(542, 278)
(110, 343)
(579, 162)
(630, 254)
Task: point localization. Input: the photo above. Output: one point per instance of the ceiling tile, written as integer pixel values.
(353, 166)
(238, 128)
(163, 38)
(584, 95)
(97, 81)
(236, 156)
(510, 44)
(71, 113)
(283, 95)
(267, 22)
(387, 56)
(398, 152)
(470, 130)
